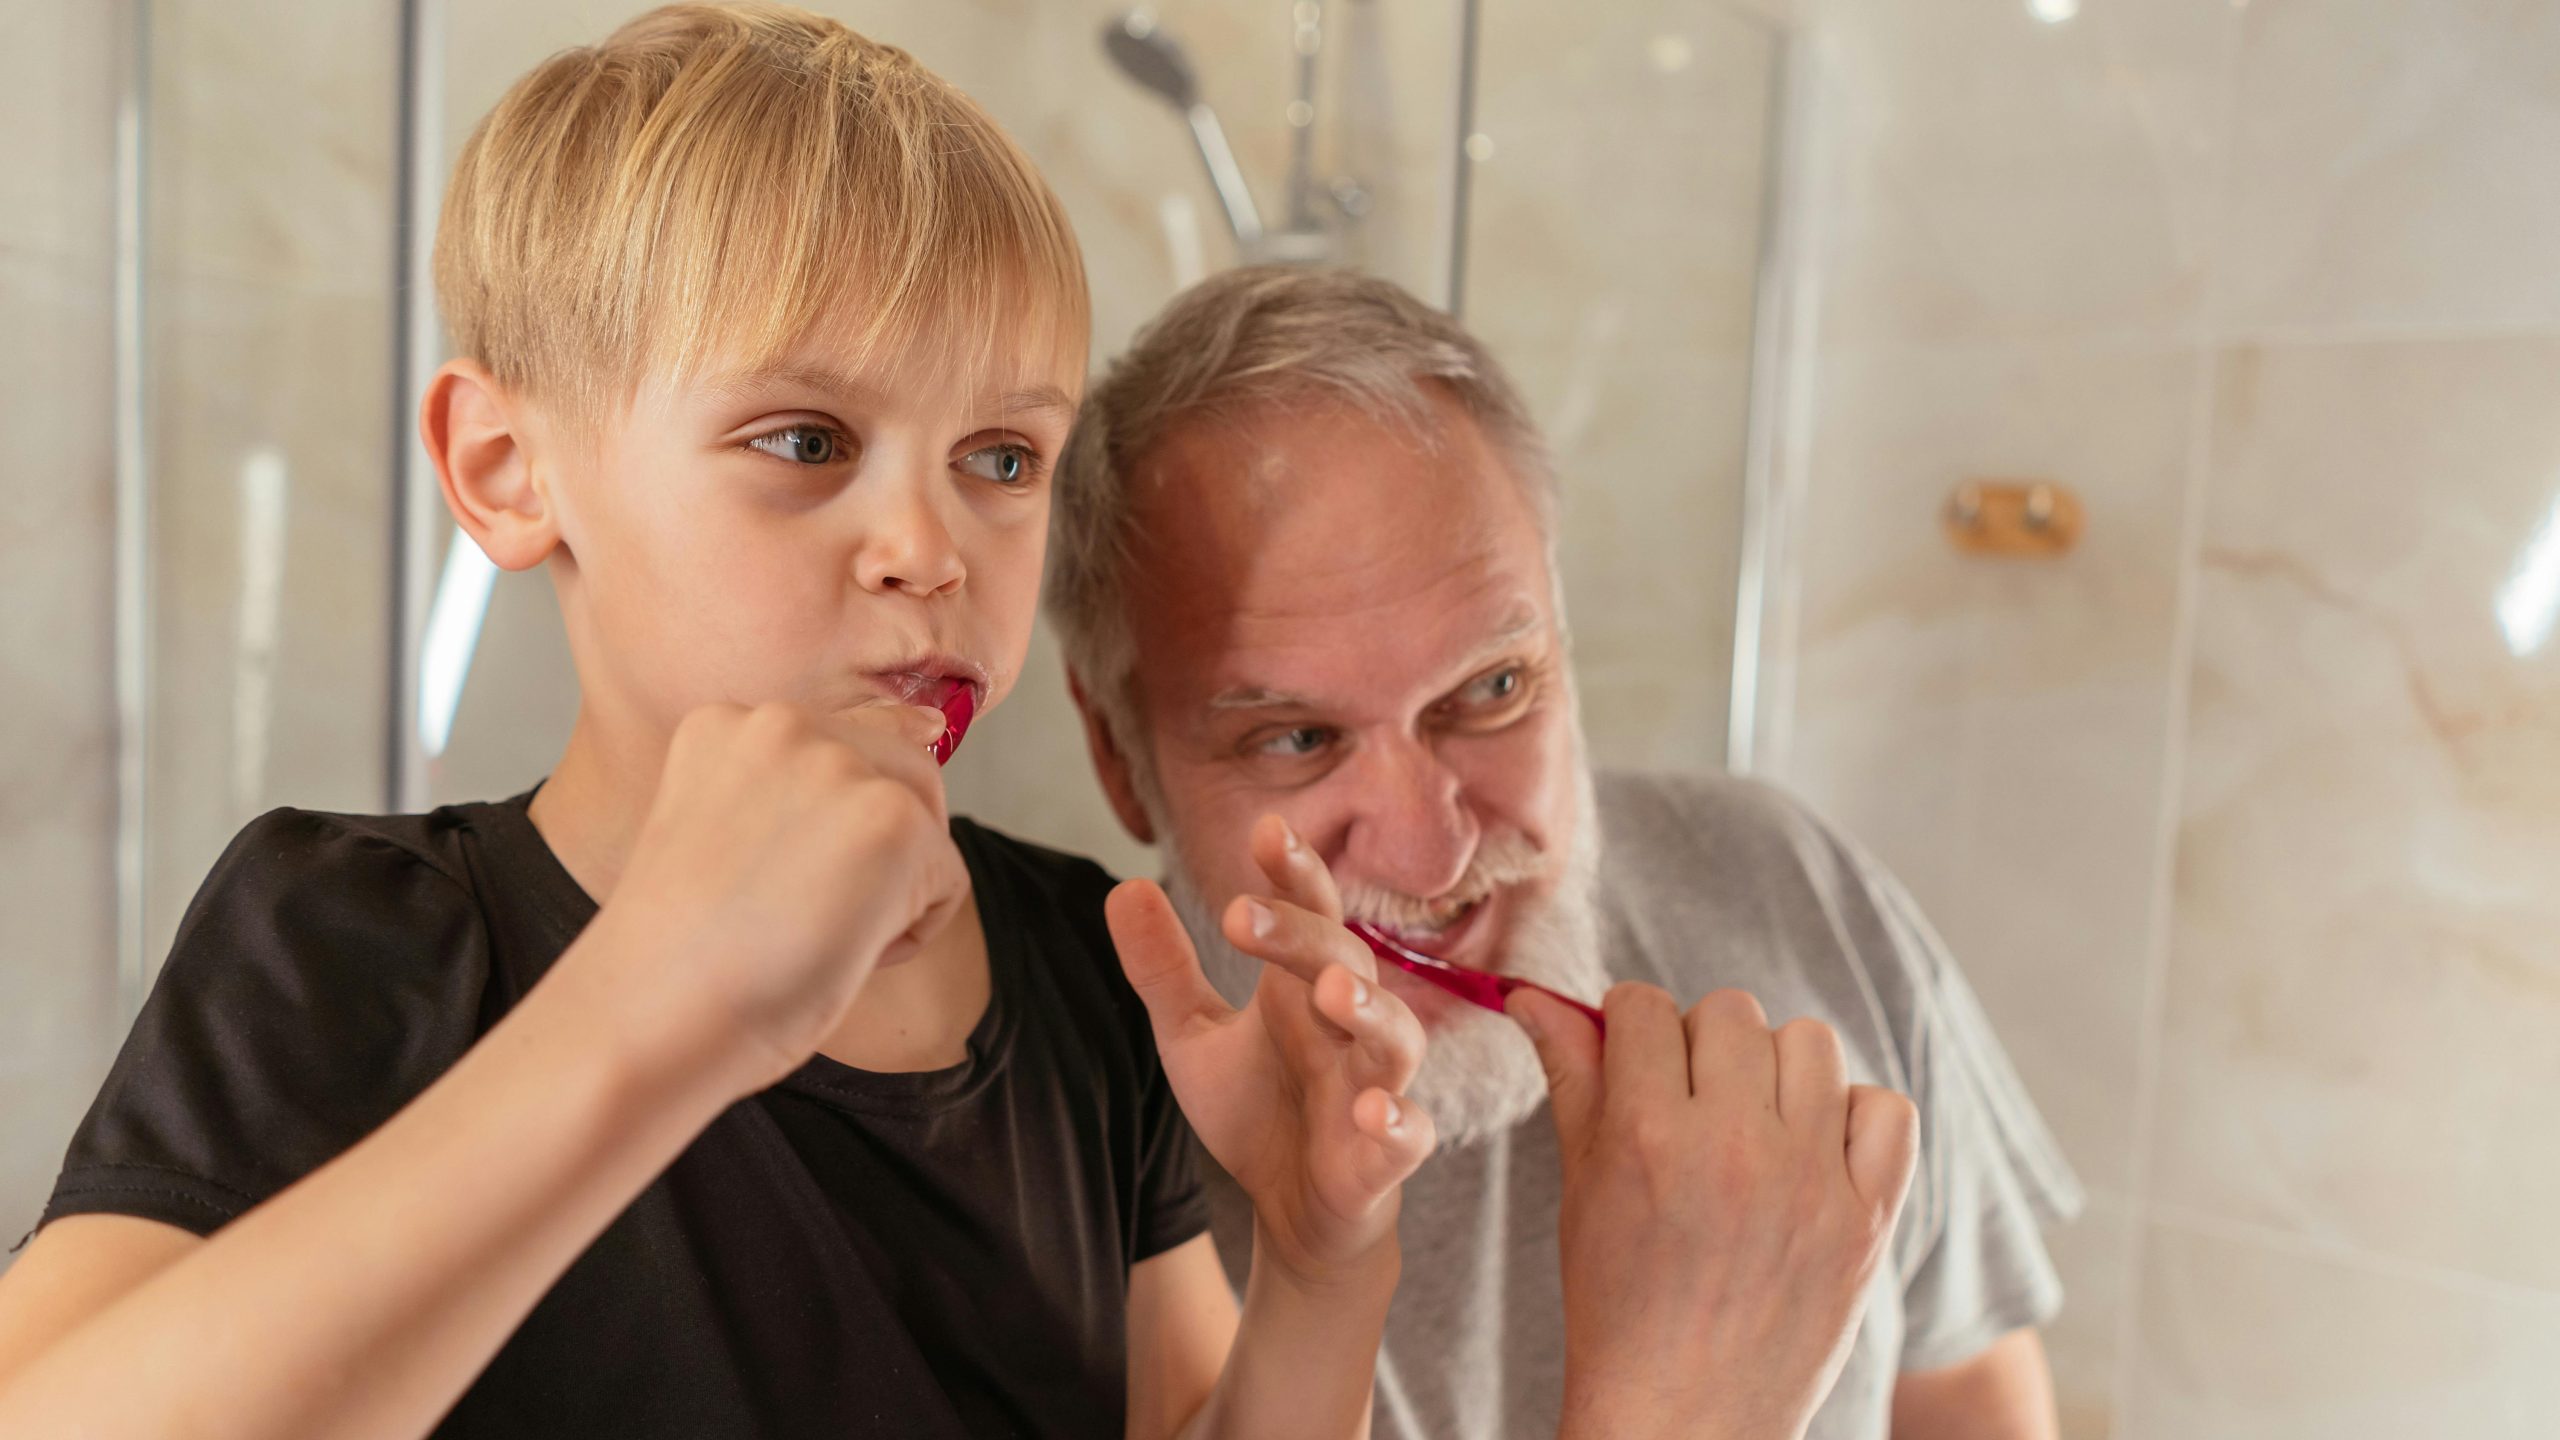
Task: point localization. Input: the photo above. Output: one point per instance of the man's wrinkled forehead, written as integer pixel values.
(1321, 563)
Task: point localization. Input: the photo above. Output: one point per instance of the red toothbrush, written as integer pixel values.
(1473, 986)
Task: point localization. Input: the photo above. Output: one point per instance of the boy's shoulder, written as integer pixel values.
(288, 837)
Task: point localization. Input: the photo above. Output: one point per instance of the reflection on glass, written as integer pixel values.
(2527, 601)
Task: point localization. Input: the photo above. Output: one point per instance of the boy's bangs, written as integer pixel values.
(924, 244)
(724, 185)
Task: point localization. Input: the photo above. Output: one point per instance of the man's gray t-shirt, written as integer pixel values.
(1710, 882)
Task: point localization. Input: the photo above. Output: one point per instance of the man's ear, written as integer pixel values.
(1111, 765)
(475, 433)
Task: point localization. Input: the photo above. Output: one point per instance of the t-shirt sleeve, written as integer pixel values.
(323, 976)
(1970, 1249)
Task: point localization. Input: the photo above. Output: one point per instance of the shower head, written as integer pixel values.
(1150, 57)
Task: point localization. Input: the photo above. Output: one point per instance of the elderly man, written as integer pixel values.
(1302, 562)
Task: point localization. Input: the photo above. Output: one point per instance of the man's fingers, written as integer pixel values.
(1386, 1039)
(1396, 1136)
(1296, 874)
(1883, 1145)
(1568, 1047)
(1813, 1078)
(1162, 967)
(1646, 1062)
(1733, 1059)
(1297, 940)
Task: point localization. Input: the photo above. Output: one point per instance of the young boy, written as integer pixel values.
(723, 1087)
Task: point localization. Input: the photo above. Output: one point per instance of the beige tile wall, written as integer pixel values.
(58, 91)
(2243, 817)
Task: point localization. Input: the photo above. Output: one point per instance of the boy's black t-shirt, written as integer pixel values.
(934, 1254)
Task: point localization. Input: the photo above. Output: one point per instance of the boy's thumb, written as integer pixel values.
(1568, 1047)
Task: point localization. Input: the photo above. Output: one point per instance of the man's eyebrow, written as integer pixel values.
(1255, 697)
(1523, 622)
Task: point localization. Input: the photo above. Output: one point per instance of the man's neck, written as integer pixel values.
(914, 1016)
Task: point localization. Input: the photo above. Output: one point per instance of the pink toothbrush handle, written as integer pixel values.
(1473, 986)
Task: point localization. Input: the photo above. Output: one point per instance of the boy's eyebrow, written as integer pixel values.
(1039, 399)
(1033, 400)
(738, 383)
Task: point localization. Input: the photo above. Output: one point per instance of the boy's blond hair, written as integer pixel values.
(713, 182)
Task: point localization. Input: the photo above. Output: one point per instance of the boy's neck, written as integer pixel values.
(916, 1016)
(590, 809)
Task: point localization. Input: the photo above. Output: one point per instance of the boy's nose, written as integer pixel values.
(906, 547)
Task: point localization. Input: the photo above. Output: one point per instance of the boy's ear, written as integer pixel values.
(1111, 765)
(475, 433)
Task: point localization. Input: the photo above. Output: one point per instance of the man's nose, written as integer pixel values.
(1410, 829)
(905, 546)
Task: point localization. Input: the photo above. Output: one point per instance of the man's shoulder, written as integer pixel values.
(1719, 880)
(1687, 838)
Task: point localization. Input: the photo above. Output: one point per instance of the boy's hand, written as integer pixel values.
(1299, 1094)
(784, 856)
(1727, 1196)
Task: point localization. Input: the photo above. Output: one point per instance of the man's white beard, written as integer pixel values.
(1480, 1076)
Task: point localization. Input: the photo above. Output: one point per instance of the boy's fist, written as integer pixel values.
(785, 855)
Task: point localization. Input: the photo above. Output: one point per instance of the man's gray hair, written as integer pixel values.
(1230, 345)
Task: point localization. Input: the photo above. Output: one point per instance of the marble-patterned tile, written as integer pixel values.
(2364, 982)
(2237, 1340)
(58, 89)
(57, 607)
(1988, 175)
(272, 447)
(273, 128)
(1648, 449)
(1997, 729)
(1623, 190)
(2094, 1255)
(2391, 167)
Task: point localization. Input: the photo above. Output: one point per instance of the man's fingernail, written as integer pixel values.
(1395, 1113)
(1258, 918)
(1289, 838)
(1359, 993)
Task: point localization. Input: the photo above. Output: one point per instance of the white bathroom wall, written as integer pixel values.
(2244, 816)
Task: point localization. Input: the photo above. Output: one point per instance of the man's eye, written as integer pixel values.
(1303, 740)
(805, 445)
(1004, 464)
(1495, 688)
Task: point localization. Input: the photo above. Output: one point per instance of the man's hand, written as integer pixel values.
(1727, 1196)
(784, 855)
(1299, 1094)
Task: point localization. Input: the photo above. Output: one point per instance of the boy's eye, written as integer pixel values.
(1004, 464)
(805, 445)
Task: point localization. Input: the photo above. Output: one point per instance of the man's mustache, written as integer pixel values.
(1504, 859)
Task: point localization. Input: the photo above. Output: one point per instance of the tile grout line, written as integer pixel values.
(2169, 817)
(2346, 1256)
